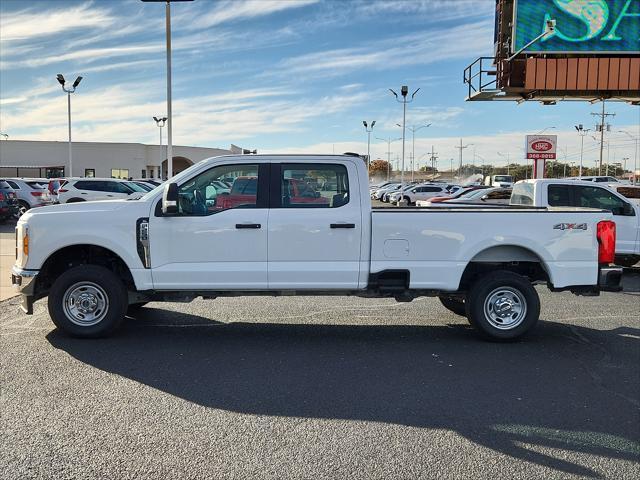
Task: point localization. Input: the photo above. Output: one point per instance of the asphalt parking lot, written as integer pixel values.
(329, 387)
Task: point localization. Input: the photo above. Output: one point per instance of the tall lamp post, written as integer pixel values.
(404, 90)
(69, 91)
(389, 140)
(462, 147)
(169, 112)
(508, 157)
(368, 130)
(160, 122)
(413, 130)
(635, 155)
(582, 132)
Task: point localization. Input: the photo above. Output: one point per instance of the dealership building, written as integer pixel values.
(43, 159)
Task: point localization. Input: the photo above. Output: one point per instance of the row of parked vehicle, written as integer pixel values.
(17, 195)
(440, 194)
(602, 193)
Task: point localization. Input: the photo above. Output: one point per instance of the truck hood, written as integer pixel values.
(70, 210)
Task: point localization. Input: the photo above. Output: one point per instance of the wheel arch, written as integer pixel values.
(513, 258)
(80, 254)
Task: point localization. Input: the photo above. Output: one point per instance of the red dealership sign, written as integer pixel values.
(541, 147)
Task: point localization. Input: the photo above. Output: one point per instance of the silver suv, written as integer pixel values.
(30, 193)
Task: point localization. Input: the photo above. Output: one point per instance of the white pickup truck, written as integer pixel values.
(302, 225)
(576, 193)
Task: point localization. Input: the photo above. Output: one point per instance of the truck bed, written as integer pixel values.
(436, 244)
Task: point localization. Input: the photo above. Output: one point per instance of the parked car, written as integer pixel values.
(418, 192)
(8, 203)
(458, 194)
(88, 189)
(95, 261)
(30, 193)
(598, 179)
(379, 193)
(568, 193)
(490, 197)
(154, 182)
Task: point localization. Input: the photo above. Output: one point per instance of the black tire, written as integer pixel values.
(515, 292)
(408, 200)
(23, 207)
(627, 261)
(454, 305)
(109, 286)
(75, 200)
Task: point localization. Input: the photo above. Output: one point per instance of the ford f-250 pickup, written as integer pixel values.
(302, 225)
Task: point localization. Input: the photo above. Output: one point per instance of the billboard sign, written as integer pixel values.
(582, 26)
(541, 147)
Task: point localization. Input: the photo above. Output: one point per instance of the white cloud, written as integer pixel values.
(29, 24)
(415, 49)
(229, 10)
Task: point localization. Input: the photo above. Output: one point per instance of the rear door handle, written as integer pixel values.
(248, 225)
(343, 225)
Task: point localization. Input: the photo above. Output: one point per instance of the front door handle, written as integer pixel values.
(343, 225)
(248, 225)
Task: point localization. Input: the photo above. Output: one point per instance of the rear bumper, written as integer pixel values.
(610, 279)
(25, 281)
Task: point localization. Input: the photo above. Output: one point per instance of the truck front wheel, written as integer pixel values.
(502, 305)
(88, 301)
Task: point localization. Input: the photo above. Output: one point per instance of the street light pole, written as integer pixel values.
(635, 154)
(413, 130)
(582, 132)
(368, 130)
(169, 110)
(160, 122)
(389, 140)
(404, 90)
(69, 91)
(461, 147)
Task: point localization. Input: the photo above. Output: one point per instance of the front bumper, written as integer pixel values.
(25, 282)
(610, 279)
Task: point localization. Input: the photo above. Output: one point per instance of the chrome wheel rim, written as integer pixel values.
(505, 308)
(85, 304)
(21, 211)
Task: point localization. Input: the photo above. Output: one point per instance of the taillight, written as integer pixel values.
(1, 196)
(36, 194)
(606, 241)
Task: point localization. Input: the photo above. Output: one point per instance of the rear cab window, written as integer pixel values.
(314, 185)
(522, 194)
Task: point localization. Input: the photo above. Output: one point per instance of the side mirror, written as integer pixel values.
(170, 199)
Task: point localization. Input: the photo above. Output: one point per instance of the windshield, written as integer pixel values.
(474, 193)
(175, 179)
(503, 178)
(135, 187)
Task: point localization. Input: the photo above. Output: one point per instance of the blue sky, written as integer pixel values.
(279, 76)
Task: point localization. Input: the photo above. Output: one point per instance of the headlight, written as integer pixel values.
(22, 244)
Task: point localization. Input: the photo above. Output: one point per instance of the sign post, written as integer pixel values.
(541, 148)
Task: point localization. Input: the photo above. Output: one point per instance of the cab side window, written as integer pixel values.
(559, 196)
(314, 186)
(595, 197)
(219, 188)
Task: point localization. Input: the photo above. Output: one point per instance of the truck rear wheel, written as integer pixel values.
(502, 306)
(454, 305)
(88, 301)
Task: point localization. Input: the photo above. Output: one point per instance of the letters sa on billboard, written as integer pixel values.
(588, 26)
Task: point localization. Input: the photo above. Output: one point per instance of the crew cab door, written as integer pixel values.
(592, 196)
(315, 226)
(218, 240)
